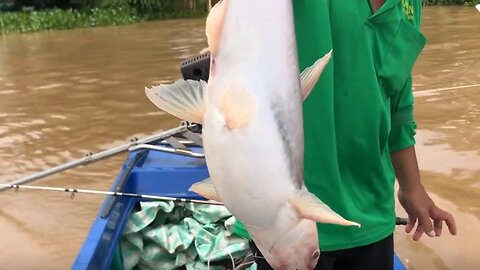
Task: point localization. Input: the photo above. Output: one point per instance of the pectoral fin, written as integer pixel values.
(310, 207)
(205, 189)
(184, 99)
(238, 106)
(309, 77)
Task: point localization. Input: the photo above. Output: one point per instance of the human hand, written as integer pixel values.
(421, 208)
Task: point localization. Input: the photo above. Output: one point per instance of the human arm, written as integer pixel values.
(412, 195)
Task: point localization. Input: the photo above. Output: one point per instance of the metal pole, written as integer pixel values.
(168, 150)
(419, 93)
(96, 157)
(112, 193)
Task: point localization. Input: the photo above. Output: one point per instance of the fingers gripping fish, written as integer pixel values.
(251, 112)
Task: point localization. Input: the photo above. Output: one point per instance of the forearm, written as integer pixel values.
(406, 168)
(415, 200)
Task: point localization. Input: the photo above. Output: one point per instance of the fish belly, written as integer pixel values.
(249, 169)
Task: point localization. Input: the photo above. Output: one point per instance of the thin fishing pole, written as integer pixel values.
(434, 90)
(99, 156)
(73, 191)
(399, 220)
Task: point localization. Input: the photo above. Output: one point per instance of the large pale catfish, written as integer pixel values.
(251, 112)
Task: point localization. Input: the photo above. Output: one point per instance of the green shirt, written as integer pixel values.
(360, 110)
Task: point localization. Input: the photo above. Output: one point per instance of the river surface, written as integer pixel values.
(64, 94)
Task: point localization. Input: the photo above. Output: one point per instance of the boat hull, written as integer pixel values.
(144, 172)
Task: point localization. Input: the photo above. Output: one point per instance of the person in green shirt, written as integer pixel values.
(359, 127)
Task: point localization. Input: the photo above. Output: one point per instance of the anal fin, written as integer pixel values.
(184, 99)
(310, 207)
(206, 189)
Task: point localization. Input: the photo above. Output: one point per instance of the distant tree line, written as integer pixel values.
(164, 6)
(20, 16)
(450, 2)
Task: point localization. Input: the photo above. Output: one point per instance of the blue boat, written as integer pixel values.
(155, 169)
(166, 167)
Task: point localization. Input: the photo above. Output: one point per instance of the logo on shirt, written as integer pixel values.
(408, 10)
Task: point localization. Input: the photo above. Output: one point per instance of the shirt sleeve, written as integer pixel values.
(403, 128)
(403, 125)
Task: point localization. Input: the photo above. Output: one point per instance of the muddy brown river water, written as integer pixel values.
(66, 93)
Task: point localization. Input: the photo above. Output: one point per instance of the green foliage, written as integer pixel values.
(167, 9)
(153, 5)
(451, 2)
(69, 14)
(20, 22)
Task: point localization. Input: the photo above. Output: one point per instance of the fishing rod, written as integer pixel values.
(90, 158)
(424, 92)
(73, 191)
